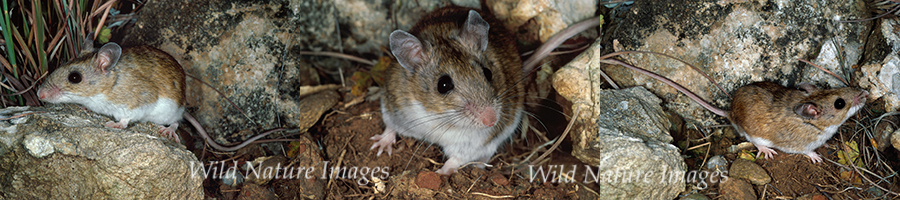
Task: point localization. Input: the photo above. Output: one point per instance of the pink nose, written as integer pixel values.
(488, 117)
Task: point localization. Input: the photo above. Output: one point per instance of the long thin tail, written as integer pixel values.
(678, 87)
(214, 144)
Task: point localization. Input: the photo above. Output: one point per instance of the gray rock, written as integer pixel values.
(882, 65)
(621, 131)
(749, 171)
(63, 152)
(736, 43)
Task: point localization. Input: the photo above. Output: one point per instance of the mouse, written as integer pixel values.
(769, 115)
(456, 83)
(136, 84)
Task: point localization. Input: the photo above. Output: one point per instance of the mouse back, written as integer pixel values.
(132, 77)
(795, 121)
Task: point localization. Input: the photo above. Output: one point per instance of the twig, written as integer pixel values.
(825, 70)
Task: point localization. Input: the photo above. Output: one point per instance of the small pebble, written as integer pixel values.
(749, 171)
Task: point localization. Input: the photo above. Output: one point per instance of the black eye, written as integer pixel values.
(487, 74)
(445, 84)
(839, 104)
(74, 77)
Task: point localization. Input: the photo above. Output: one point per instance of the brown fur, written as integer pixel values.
(501, 57)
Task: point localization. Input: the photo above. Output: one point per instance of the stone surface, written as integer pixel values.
(895, 139)
(695, 196)
(550, 16)
(621, 131)
(64, 152)
(881, 71)
(736, 43)
(429, 180)
(749, 171)
(736, 189)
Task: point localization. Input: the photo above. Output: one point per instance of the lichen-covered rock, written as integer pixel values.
(881, 71)
(63, 152)
(621, 131)
(250, 52)
(736, 43)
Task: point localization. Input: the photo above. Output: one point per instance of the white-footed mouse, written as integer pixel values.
(772, 116)
(456, 85)
(135, 84)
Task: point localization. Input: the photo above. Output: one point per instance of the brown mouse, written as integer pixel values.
(134, 84)
(773, 116)
(457, 85)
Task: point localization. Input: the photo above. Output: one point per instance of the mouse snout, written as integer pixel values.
(861, 98)
(485, 115)
(48, 93)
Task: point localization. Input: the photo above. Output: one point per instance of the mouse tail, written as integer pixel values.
(668, 81)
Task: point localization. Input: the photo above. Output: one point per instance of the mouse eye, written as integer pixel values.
(839, 104)
(487, 74)
(74, 77)
(445, 84)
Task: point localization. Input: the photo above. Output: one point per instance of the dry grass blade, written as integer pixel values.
(826, 71)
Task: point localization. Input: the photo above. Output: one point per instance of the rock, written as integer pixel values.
(429, 179)
(881, 71)
(64, 152)
(620, 131)
(895, 139)
(717, 163)
(736, 189)
(551, 16)
(249, 52)
(736, 43)
(695, 196)
(750, 171)
(403, 187)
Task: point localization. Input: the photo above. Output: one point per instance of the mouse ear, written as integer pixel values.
(408, 50)
(474, 33)
(107, 57)
(810, 88)
(808, 110)
(88, 45)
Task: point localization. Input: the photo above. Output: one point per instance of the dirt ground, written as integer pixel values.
(343, 137)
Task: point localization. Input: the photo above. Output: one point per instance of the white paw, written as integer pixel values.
(384, 141)
(814, 157)
(116, 125)
(169, 132)
(767, 151)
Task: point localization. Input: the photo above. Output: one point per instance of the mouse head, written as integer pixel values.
(452, 71)
(831, 106)
(84, 76)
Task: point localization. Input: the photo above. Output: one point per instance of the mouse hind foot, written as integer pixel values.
(384, 141)
(814, 157)
(169, 132)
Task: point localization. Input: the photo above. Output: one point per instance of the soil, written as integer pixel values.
(343, 136)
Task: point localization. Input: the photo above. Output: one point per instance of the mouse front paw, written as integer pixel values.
(122, 124)
(384, 141)
(764, 150)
